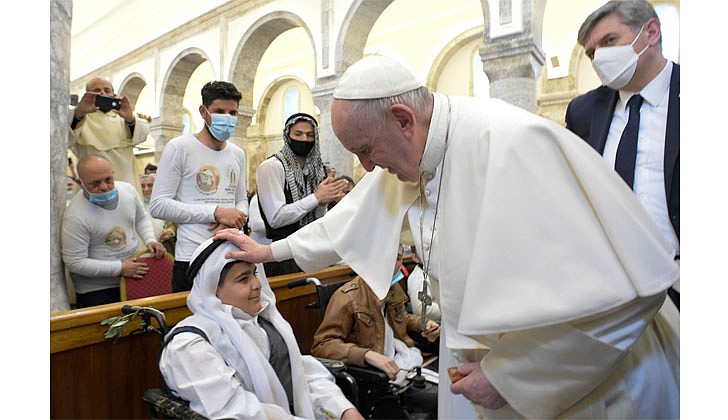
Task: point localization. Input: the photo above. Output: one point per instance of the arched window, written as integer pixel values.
(670, 23)
(290, 103)
(481, 85)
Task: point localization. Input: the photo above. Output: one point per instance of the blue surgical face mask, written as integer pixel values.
(107, 200)
(104, 199)
(221, 125)
(146, 200)
(397, 277)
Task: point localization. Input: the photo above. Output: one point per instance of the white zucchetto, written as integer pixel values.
(375, 76)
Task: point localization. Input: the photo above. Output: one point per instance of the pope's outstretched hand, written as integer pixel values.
(250, 250)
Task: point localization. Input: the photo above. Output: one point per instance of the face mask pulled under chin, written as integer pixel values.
(221, 126)
(107, 200)
(616, 65)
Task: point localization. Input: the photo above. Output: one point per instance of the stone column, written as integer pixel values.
(60, 13)
(163, 132)
(240, 139)
(513, 64)
(331, 149)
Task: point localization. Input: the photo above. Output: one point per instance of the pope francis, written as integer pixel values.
(549, 273)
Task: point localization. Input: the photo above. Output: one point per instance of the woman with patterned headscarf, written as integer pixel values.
(293, 189)
(247, 365)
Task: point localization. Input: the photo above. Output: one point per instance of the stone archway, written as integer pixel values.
(169, 123)
(355, 29)
(132, 87)
(244, 66)
(253, 45)
(447, 53)
(262, 141)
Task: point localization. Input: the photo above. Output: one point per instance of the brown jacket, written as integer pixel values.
(353, 323)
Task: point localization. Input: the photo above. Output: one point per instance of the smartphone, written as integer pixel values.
(107, 103)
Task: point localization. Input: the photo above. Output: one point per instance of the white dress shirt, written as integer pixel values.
(649, 176)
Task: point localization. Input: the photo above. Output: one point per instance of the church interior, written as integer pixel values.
(285, 57)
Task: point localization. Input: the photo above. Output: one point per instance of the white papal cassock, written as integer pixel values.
(548, 270)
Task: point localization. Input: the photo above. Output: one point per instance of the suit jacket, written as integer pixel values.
(590, 115)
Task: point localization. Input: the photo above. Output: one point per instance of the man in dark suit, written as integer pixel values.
(633, 120)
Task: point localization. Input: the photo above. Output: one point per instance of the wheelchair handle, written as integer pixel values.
(145, 313)
(303, 282)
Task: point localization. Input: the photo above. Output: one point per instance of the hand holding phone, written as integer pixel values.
(107, 103)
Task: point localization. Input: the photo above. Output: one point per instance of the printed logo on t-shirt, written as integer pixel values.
(232, 185)
(116, 238)
(208, 178)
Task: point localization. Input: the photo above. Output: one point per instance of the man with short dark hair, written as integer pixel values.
(624, 41)
(200, 182)
(108, 132)
(100, 230)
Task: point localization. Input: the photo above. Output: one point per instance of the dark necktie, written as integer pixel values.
(627, 151)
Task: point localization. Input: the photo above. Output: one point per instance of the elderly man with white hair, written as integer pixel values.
(548, 271)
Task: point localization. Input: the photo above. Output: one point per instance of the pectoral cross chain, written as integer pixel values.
(426, 300)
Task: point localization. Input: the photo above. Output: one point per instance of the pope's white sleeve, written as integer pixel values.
(164, 205)
(542, 372)
(325, 394)
(309, 246)
(196, 372)
(271, 180)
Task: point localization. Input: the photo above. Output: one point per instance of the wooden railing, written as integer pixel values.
(94, 377)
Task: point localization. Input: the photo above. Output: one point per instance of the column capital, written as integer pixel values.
(510, 57)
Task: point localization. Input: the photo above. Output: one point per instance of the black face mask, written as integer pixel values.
(301, 148)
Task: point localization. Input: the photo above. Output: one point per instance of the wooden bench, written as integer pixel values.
(94, 377)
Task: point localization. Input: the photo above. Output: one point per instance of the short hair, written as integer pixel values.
(633, 13)
(375, 110)
(150, 166)
(219, 90)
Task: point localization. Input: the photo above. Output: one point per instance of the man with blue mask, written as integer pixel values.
(100, 233)
(639, 99)
(201, 179)
(293, 187)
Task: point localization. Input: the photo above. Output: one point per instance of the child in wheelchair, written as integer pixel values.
(247, 363)
(361, 330)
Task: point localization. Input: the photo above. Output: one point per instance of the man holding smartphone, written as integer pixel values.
(104, 124)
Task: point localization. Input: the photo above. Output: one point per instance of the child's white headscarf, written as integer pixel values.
(233, 342)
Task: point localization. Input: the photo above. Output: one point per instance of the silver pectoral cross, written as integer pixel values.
(426, 300)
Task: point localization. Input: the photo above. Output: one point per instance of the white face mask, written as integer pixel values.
(615, 66)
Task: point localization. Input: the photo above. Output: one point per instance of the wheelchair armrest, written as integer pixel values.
(169, 406)
(368, 374)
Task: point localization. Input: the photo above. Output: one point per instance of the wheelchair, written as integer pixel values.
(369, 389)
(160, 402)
